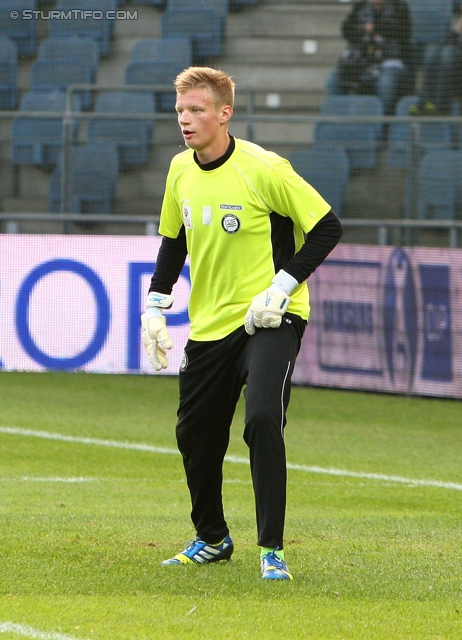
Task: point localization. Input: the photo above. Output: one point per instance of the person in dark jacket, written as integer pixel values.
(379, 56)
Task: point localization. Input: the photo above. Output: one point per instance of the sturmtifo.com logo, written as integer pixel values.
(73, 14)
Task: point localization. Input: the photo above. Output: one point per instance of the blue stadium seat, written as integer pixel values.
(221, 7)
(238, 5)
(360, 140)
(101, 6)
(175, 50)
(131, 136)
(429, 26)
(91, 192)
(90, 27)
(22, 31)
(18, 4)
(204, 27)
(150, 73)
(50, 75)
(8, 74)
(94, 173)
(97, 5)
(160, 4)
(327, 169)
(446, 7)
(39, 141)
(71, 48)
(437, 135)
(438, 185)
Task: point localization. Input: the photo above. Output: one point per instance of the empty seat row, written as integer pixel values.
(38, 141)
(404, 139)
(439, 193)
(327, 169)
(23, 29)
(435, 194)
(360, 140)
(94, 171)
(93, 175)
(62, 61)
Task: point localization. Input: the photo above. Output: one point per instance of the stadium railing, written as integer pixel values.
(250, 120)
(405, 230)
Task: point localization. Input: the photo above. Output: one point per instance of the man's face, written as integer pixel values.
(201, 122)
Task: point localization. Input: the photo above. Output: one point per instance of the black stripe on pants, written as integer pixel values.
(210, 387)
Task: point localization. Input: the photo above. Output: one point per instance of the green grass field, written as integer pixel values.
(84, 524)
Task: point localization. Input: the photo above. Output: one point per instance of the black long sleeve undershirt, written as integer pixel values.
(318, 244)
(170, 261)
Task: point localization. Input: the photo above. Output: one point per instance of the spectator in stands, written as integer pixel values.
(442, 75)
(378, 59)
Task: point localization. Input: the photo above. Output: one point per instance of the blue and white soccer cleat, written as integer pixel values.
(274, 568)
(200, 552)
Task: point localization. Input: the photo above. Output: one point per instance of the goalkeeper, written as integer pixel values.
(254, 231)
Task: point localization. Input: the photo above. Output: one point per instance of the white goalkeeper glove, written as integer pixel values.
(268, 307)
(155, 334)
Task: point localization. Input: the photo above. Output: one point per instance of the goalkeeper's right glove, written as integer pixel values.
(155, 335)
(268, 307)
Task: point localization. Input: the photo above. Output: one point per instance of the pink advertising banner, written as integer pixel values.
(383, 318)
(386, 319)
(74, 303)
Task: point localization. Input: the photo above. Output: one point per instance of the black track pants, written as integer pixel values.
(210, 386)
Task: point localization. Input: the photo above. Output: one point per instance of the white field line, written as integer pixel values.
(29, 632)
(233, 459)
(49, 479)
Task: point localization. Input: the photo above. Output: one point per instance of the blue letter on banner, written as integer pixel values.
(136, 271)
(22, 314)
(437, 354)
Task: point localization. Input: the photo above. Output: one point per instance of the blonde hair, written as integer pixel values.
(218, 84)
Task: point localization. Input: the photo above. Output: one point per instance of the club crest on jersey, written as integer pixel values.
(230, 223)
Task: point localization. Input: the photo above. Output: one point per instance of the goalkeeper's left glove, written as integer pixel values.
(155, 334)
(268, 307)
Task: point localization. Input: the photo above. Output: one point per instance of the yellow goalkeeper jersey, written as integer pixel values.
(244, 220)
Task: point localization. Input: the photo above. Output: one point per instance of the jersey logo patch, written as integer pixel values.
(232, 207)
(187, 216)
(230, 223)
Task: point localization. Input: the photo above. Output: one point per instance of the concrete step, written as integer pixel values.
(319, 3)
(147, 23)
(270, 134)
(287, 21)
(141, 184)
(274, 101)
(33, 182)
(27, 204)
(279, 77)
(284, 51)
(142, 206)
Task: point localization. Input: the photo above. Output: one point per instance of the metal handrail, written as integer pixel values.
(250, 117)
(151, 223)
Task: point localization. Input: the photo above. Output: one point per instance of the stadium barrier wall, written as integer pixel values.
(383, 318)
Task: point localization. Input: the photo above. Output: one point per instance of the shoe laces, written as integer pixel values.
(193, 543)
(274, 560)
